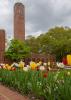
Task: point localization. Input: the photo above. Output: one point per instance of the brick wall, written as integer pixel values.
(2, 45)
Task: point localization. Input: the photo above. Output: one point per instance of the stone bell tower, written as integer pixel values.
(19, 21)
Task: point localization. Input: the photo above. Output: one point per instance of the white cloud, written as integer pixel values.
(4, 14)
(40, 15)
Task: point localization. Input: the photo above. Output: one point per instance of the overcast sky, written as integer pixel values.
(40, 15)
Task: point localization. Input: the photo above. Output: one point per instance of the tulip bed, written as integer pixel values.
(50, 86)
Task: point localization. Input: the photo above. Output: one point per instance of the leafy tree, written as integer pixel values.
(17, 50)
(33, 43)
(57, 40)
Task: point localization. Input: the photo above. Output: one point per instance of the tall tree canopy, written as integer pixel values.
(57, 41)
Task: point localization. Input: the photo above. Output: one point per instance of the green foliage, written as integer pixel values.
(57, 86)
(56, 41)
(60, 40)
(17, 50)
(33, 43)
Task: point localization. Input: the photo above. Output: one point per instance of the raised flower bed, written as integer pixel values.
(41, 84)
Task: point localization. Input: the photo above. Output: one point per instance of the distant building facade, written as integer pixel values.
(2, 45)
(19, 21)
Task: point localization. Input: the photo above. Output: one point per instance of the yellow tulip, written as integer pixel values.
(33, 65)
(21, 64)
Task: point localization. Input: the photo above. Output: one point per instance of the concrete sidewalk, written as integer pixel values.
(7, 94)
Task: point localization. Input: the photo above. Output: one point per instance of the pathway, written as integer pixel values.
(7, 94)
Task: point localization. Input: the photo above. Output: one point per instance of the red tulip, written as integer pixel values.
(13, 68)
(45, 75)
(37, 68)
